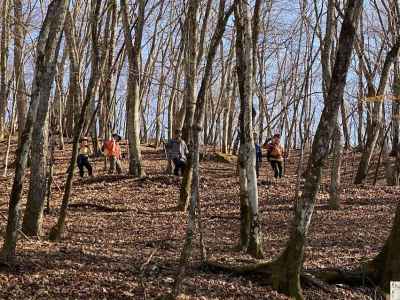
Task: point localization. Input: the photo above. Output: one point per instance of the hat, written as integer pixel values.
(84, 138)
(116, 136)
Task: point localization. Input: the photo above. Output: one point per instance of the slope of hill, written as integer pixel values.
(123, 237)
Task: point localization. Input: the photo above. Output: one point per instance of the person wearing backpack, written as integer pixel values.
(275, 155)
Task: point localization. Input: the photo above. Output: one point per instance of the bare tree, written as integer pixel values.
(190, 58)
(58, 229)
(4, 40)
(19, 35)
(247, 160)
(375, 124)
(197, 127)
(46, 58)
(132, 99)
(287, 268)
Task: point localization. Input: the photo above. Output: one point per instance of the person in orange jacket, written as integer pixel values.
(275, 155)
(112, 150)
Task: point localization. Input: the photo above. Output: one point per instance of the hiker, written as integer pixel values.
(258, 155)
(83, 157)
(275, 153)
(177, 151)
(112, 151)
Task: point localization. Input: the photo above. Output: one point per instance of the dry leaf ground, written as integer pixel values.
(123, 236)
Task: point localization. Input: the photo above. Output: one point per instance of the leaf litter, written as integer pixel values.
(123, 235)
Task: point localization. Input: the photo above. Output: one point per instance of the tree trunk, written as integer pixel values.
(232, 116)
(108, 98)
(32, 222)
(189, 97)
(346, 133)
(360, 110)
(58, 112)
(93, 131)
(5, 23)
(172, 98)
(228, 103)
(160, 97)
(58, 230)
(396, 108)
(335, 189)
(19, 36)
(244, 61)
(374, 127)
(53, 143)
(7, 154)
(287, 268)
(386, 265)
(133, 100)
(196, 130)
(75, 92)
(47, 52)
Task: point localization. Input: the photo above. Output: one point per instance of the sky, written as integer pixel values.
(282, 36)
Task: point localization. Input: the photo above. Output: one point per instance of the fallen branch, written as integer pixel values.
(98, 207)
(254, 269)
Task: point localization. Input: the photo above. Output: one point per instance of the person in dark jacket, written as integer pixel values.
(177, 151)
(258, 155)
(83, 157)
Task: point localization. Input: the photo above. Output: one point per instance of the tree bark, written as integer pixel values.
(386, 265)
(58, 230)
(360, 109)
(172, 98)
(75, 92)
(189, 99)
(195, 155)
(4, 39)
(133, 100)
(19, 35)
(244, 61)
(32, 221)
(7, 154)
(47, 52)
(396, 108)
(345, 127)
(335, 188)
(287, 268)
(374, 127)
(160, 97)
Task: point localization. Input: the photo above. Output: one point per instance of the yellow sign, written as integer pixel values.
(381, 98)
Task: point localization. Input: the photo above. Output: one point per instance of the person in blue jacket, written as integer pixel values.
(258, 155)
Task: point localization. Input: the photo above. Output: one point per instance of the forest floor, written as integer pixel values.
(123, 236)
